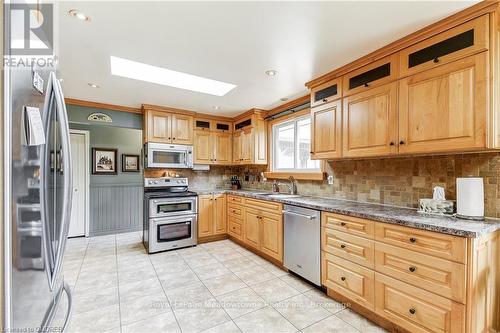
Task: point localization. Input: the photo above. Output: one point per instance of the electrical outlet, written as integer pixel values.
(330, 179)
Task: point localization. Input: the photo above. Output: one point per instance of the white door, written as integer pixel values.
(78, 212)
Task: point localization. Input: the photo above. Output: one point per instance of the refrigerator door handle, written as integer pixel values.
(67, 172)
(67, 289)
(44, 164)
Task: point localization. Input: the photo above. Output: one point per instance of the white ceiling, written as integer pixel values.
(234, 42)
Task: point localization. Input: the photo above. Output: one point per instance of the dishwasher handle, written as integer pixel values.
(309, 217)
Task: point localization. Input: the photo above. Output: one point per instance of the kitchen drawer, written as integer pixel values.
(356, 249)
(326, 92)
(443, 277)
(459, 42)
(415, 309)
(274, 207)
(348, 279)
(235, 229)
(234, 198)
(236, 210)
(432, 243)
(352, 225)
(372, 75)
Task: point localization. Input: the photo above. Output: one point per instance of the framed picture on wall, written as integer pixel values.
(130, 163)
(104, 161)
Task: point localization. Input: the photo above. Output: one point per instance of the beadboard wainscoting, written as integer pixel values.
(115, 208)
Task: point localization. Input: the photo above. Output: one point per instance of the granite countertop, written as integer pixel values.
(383, 213)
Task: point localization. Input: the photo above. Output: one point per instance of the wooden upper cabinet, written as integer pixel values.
(370, 122)
(258, 144)
(237, 148)
(375, 74)
(182, 129)
(203, 148)
(444, 108)
(246, 147)
(326, 92)
(222, 126)
(326, 131)
(166, 127)
(463, 40)
(158, 127)
(202, 124)
(222, 146)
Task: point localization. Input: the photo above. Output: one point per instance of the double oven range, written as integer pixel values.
(170, 214)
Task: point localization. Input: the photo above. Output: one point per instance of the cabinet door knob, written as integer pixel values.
(342, 246)
(343, 278)
(342, 224)
(392, 143)
(412, 269)
(169, 138)
(401, 142)
(325, 100)
(412, 311)
(436, 60)
(174, 138)
(413, 240)
(215, 159)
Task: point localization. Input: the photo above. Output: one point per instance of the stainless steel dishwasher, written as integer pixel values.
(302, 242)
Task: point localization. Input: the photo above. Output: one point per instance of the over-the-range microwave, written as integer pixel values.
(164, 155)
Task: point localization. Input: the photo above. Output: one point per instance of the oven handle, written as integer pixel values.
(174, 219)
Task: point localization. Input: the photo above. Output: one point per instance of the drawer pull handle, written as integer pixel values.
(413, 269)
(325, 100)
(342, 246)
(342, 224)
(343, 278)
(366, 85)
(413, 240)
(412, 311)
(436, 60)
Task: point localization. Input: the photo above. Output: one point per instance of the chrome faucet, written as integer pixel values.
(292, 187)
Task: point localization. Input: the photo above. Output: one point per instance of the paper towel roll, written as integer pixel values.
(470, 198)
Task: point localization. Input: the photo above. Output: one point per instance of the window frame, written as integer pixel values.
(273, 146)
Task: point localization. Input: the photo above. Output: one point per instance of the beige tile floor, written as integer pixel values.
(213, 287)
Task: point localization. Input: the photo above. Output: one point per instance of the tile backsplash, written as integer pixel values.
(394, 181)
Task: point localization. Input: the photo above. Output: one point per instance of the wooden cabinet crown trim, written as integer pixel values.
(481, 8)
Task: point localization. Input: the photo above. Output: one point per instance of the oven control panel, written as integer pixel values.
(165, 182)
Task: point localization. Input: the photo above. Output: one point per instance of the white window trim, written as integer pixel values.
(273, 146)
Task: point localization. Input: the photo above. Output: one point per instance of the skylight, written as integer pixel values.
(144, 72)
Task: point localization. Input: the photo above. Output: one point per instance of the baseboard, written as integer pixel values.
(111, 232)
(214, 238)
(260, 254)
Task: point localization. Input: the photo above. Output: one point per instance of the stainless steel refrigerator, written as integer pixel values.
(37, 198)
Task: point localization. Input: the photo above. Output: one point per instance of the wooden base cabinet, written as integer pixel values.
(212, 215)
(418, 280)
(416, 309)
(258, 224)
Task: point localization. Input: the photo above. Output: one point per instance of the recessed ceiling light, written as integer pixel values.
(93, 85)
(271, 72)
(216, 107)
(144, 72)
(79, 15)
(284, 99)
